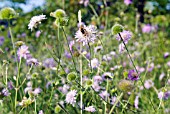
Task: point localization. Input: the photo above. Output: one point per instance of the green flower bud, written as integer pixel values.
(71, 76)
(35, 75)
(89, 83)
(59, 13)
(57, 109)
(19, 43)
(8, 13)
(86, 72)
(62, 72)
(117, 28)
(61, 21)
(125, 85)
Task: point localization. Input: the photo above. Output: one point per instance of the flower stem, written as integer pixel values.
(135, 67)
(117, 100)
(69, 49)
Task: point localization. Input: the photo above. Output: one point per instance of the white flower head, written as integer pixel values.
(70, 97)
(86, 34)
(90, 109)
(35, 20)
(95, 63)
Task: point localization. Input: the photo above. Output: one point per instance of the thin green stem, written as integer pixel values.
(135, 67)
(117, 100)
(69, 49)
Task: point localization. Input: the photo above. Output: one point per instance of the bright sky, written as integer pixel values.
(26, 7)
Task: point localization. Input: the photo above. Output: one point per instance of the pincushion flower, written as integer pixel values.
(148, 84)
(126, 35)
(132, 75)
(95, 63)
(23, 52)
(86, 34)
(127, 2)
(90, 109)
(70, 97)
(35, 20)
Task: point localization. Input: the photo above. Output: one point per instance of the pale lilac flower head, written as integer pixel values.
(151, 67)
(85, 2)
(113, 100)
(10, 85)
(90, 109)
(166, 54)
(160, 95)
(32, 61)
(35, 20)
(71, 97)
(86, 34)
(121, 48)
(40, 112)
(162, 75)
(96, 86)
(166, 95)
(168, 63)
(71, 44)
(23, 52)
(1, 40)
(37, 91)
(104, 94)
(98, 48)
(94, 63)
(149, 28)
(98, 79)
(148, 84)
(49, 63)
(132, 75)
(5, 92)
(127, 2)
(136, 102)
(37, 34)
(126, 35)
(27, 89)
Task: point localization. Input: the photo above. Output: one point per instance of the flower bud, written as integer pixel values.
(8, 13)
(59, 13)
(71, 76)
(19, 43)
(117, 28)
(57, 109)
(89, 83)
(61, 21)
(86, 72)
(125, 85)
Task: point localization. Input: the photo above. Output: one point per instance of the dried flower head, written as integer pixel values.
(125, 85)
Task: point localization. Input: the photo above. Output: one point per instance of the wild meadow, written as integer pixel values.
(85, 57)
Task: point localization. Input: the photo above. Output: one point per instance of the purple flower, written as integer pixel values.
(104, 94)
(1, 40)
(23, 35)
(166, 54)
(113, 100)
(166, 95)
(71, 97)
(127, 2)
(149, 28)
(40, 112)
(37, 34)
(121, 48)
(23, 51)
(5, 92)
(136, 102)
(132, 75)
(85, 2)
(37, 91)
(148, 84)
(96, 86)
(126, 35)
(90, 109)
(32, 61)
(10, 85)
(49, 63)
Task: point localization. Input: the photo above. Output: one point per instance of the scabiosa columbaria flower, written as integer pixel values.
(125, 85)
(40, 112)
(85, 2)
(113, 100)
(126, 35)
(104, 94)
(166, 54)
(71, 97)
(148, 84)
(5, 92)
(32, 61)
(98, 79)
(1, 40)
(95, 63)
(37, 91)
(23, 52)
(96, 86)
(127, 2)
(136, 102)
(86, 34)
(49, 63)
(132, 75)
(160, 95)
(90, 109)
(121, 48)
(148, 28)
(35, 20)
(10, 85)
(8, 13)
